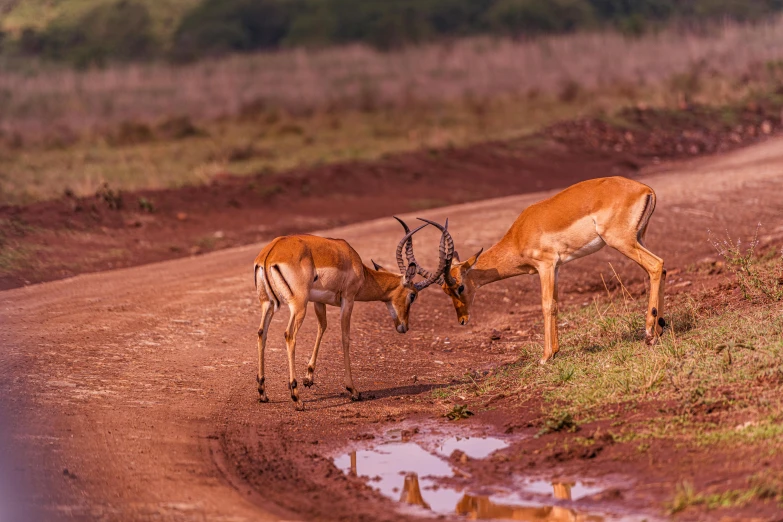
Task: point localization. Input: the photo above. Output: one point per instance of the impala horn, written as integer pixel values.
(446, 253)
(406, 239)
(423, 272)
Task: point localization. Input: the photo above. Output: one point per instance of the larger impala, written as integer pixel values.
(571, 224)
(299, 269)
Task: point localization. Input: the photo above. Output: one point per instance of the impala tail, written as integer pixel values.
(262, 283)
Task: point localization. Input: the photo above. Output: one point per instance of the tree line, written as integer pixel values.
(124, 30)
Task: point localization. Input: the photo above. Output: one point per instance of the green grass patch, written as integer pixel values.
(726, 359)
(765, 485)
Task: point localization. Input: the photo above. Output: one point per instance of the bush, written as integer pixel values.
(121, 31)
(741, 10)
(529, 17)
(220, 26)
(30, 42)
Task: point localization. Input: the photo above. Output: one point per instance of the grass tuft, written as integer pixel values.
(459, 411)
(559, 421)
(759, 277)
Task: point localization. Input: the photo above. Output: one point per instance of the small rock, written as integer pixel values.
(182, 216)
(495, 335)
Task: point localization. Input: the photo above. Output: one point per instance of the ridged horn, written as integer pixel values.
(406, 239)
(446, 253)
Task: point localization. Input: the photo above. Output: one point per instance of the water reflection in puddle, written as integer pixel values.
(400, 471)
(563, 490)
(406, 472)
(473, 447)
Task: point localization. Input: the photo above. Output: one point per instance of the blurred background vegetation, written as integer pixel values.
(166, 93)
(96, 32)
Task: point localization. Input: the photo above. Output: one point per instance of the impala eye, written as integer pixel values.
(413, 298)
(461, 289)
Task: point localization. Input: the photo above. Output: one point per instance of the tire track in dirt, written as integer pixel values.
(139, 381)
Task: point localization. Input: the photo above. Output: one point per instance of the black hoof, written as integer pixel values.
(356, 398)
(307, 382)
(263, 398)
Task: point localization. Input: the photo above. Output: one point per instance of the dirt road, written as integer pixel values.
(130, 395)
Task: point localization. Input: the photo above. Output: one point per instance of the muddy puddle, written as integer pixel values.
(417, 468)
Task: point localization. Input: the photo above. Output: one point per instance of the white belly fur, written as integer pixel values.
(593, 246)
(324, 296)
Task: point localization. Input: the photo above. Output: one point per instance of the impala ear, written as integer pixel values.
(410, 272)
(473, 260)
(376, 266)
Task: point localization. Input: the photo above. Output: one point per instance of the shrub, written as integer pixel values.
(220, 26)
(534, 16)
(30, 42)
(121, 31)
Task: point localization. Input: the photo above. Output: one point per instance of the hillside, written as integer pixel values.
(16, 15)
(89, 33)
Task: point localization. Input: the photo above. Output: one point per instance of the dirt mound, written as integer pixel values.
(670, 134)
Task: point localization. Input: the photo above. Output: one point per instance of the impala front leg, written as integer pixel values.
(320, 313)
(548, 276)
(346, 308)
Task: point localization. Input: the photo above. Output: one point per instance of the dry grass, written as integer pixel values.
(761, 280)
(40, 98)
(271, 142)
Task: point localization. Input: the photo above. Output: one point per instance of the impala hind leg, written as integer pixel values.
(267, 311)
(298, 312)
(549, 306)
(661, 288)
(346, 308)
(320, 313)
(653, 265)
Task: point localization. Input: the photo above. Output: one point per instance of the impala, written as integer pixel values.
(296, 270)
(574, 223)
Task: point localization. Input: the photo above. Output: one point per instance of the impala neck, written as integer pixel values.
(500, 261)
(378, 285)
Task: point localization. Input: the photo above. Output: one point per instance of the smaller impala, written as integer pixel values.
(296, 270)
(574, 223)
